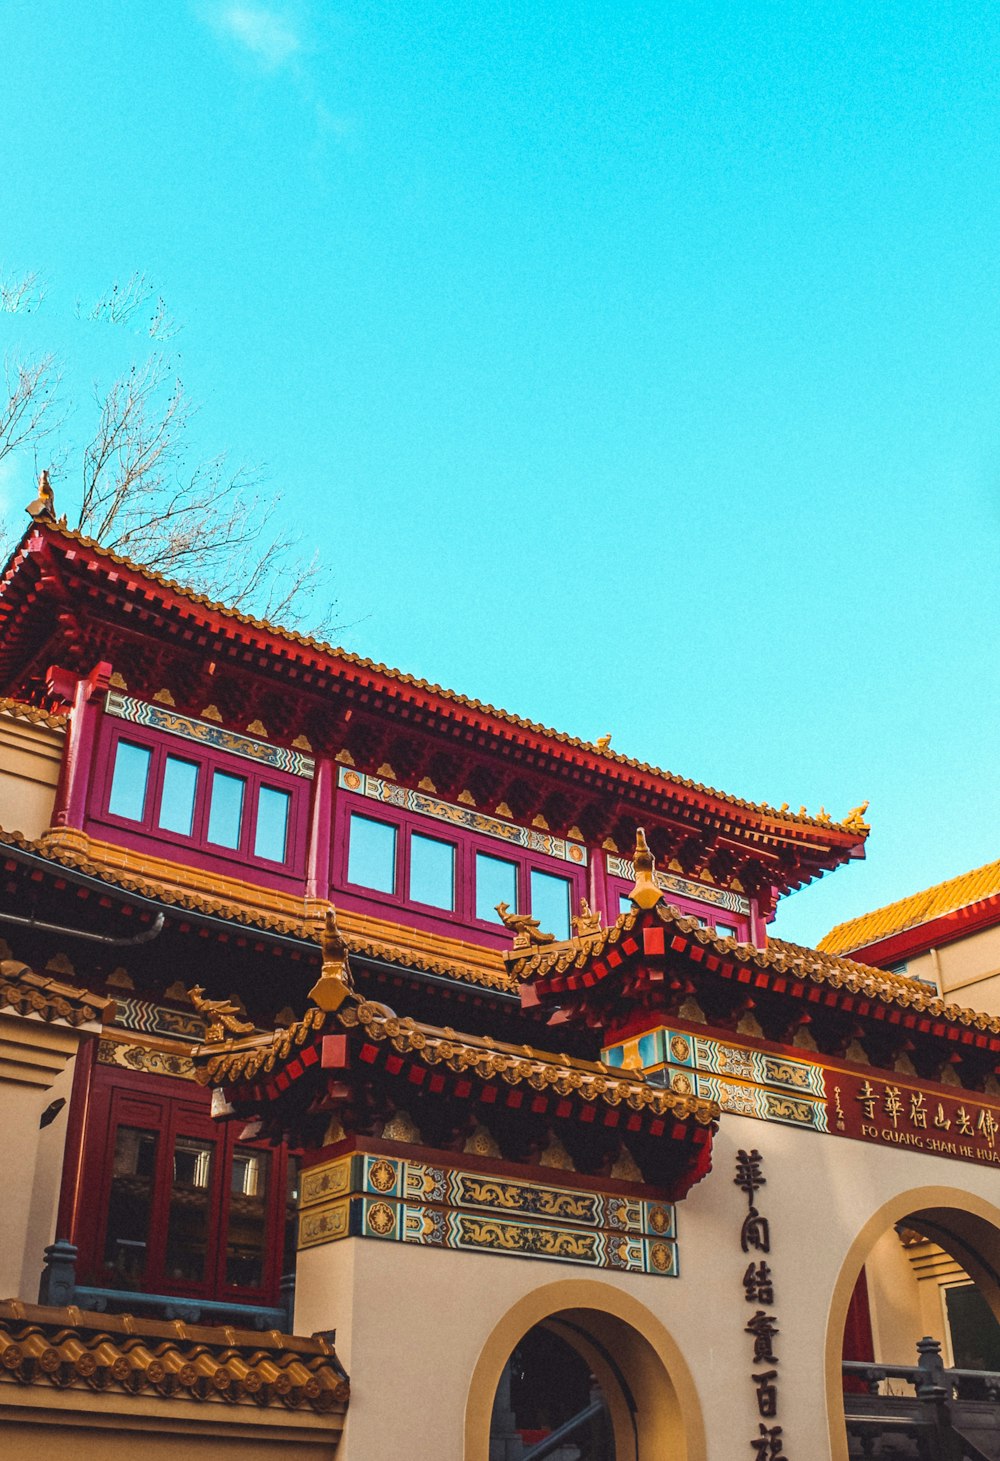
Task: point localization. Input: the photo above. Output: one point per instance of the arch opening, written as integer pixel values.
(584, 1357)
(913, 1345)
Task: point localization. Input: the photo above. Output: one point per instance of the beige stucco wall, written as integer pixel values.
(414, 1325)
(36, 1063)
(966, 971)
(30, 757)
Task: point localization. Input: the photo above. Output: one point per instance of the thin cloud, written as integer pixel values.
(269, 36)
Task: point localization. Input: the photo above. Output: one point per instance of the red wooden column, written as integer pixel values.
(320, 830)
(82, 693)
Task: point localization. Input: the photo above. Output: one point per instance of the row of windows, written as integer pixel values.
(175, 795)
(413, 867)
(170, 794)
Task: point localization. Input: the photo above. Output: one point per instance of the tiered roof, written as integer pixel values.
(66, 600)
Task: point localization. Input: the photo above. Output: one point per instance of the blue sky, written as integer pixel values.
(636, 366)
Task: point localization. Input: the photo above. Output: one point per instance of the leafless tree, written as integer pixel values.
(140, 491)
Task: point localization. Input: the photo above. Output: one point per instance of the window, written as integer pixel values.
(178, 1203)
(248, 813)
(400, 857)
(180, 785)
(128, 784)
(496, 882)
(372, 854)
(432, 871)
(226, 809)
(550, 902)
(130, 1205)
(271, 833)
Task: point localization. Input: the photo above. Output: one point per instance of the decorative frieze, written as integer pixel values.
(128, 1056)
(397, 1199)
(163, 718)
(467, 818)
(624, 867)
(744, 1081)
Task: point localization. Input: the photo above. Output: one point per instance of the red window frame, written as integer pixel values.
(208, 761)
(155, 1103)
(466, 844)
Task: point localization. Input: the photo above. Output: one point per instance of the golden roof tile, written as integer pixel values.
(71, 1347)
(28, 993)
(18, 710)
(910, 912)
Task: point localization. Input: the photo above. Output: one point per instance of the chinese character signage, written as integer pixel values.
(758, 1290)
(894, 1113)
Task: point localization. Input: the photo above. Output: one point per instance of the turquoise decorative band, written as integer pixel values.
(467, 818)
(623, 867)
(162, 718)
(404, 1201)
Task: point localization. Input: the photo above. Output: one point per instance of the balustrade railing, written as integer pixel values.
(59, 1286)
(952, 1414)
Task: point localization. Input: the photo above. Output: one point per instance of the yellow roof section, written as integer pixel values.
(918, 908)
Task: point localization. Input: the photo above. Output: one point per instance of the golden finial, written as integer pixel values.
(782, 808)
(43, 508)
(855, 819)
(645, 894)
(603, 744)
(824, 816)
(334, 983)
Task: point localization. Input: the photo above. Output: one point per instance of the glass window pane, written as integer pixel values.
(550, 902)
(128, 784)
(725, 930)
(496, 882)
(245, 1241)
(131, 1200)
(432, 871)
(180, 782)
(226, 812)
(371, 859)
(625, 904)
(189, 1225)
(271, 835)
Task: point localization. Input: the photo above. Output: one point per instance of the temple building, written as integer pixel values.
(386, 1074)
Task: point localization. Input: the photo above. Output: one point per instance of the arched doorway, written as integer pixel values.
(621, 1383)
(549, 1403)
(913, 1344)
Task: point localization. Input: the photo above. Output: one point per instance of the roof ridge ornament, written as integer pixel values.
(855, 819)
(334, 983)
(43, 508)
(526, 929)
(645, 893)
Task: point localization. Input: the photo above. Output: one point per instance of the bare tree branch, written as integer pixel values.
(204, 522)
(20, 293)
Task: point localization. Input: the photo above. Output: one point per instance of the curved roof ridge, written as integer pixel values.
(782, 814)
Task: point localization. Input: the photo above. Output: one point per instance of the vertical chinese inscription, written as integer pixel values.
(758, 1289)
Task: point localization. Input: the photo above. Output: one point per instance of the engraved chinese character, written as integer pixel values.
(893, 1103)
(918, 1111)
(755, 1233)
(748, 1174)
(964, 1122)
(758, 1285)
(868, 1096)
(941, 1121)
(769, 1446)
(763, 1327)
(988, 1126)
(767, 1394)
